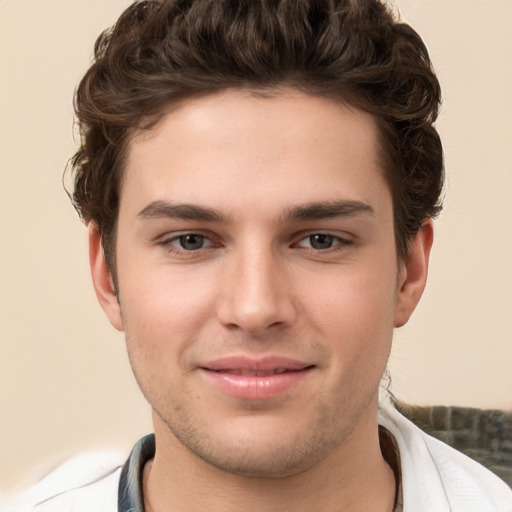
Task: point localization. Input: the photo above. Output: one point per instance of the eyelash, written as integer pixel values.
(340, 243)
(168, 242)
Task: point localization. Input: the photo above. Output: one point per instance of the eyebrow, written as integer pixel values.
(307, 211)
(164, 209)
(328, 209)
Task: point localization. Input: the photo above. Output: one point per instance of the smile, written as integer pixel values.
(251, 379)
(254, 373)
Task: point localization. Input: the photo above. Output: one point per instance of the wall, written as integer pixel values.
(65, 384)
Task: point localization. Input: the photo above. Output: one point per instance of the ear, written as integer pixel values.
(102, 279)
(413, 273)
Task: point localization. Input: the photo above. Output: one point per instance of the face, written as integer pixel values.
(258, 278)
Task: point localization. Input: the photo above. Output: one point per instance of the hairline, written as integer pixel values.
(150, 122)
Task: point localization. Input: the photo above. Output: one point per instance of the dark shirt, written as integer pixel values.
(130, 497)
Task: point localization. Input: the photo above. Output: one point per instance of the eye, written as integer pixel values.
(321, 241)
(189, 242)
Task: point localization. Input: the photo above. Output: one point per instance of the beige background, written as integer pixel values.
(65, 384)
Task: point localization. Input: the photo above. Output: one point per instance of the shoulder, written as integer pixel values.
(435, 477)
(82, 484)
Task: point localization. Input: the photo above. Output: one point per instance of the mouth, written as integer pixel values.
(276, 371)
(256, 379)
(267, 365)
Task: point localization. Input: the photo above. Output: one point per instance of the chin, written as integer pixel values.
(264, 462)
(259, 446)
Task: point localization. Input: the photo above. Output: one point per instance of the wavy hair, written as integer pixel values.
(354, 51)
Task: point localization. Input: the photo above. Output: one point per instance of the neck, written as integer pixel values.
(353, 478)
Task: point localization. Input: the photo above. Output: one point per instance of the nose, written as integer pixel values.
(257, 295)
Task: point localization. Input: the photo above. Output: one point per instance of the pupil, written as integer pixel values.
(321, 241)
(191, 242)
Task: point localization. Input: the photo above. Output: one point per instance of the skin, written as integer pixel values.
(261, 282)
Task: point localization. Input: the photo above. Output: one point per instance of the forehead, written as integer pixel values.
(240, 146)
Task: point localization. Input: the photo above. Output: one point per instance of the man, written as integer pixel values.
(259, 179)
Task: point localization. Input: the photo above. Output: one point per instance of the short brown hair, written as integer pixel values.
(355, 51)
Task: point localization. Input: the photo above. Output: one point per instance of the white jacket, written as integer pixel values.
(435, 478)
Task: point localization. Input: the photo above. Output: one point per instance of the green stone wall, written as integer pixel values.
(485, 435)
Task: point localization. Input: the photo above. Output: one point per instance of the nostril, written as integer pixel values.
(254, 298)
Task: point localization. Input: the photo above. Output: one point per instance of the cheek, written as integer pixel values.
(163, 290)
(362, 300)
(355, 313)
(163, 309)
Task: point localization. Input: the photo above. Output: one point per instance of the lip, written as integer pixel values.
(255, 379)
